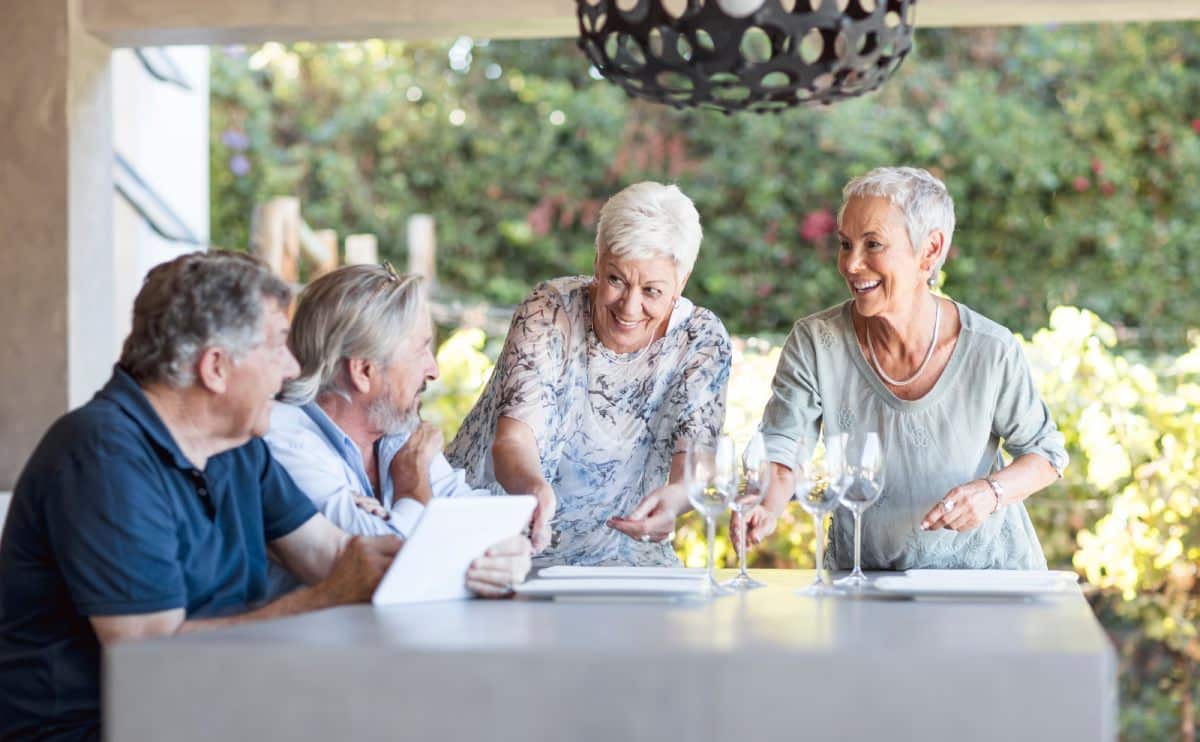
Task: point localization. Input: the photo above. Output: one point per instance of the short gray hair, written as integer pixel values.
(196, 301)
(921, 197)
(358, 311)
(650, 220)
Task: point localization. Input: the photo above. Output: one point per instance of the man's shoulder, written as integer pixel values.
(291, 429)
(95, 448)
(99, 428)
(296, 442)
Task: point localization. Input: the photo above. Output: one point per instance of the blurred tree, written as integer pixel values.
(1073, 154)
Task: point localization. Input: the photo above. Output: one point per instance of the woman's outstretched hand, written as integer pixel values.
(652, 521)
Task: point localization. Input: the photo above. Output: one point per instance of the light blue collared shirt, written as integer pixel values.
(326, 465)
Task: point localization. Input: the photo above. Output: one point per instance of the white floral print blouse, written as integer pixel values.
(606, 424)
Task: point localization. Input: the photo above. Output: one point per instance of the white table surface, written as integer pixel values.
(760, 666)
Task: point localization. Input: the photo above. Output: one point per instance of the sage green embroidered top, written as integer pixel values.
(984, 400)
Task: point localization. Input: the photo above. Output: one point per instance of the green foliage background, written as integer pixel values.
(1073, 154)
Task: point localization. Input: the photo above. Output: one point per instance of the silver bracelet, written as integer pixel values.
(997, 490)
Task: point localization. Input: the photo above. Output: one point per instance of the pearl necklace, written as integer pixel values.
(937, 323)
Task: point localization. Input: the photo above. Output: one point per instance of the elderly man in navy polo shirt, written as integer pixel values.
(152, 509)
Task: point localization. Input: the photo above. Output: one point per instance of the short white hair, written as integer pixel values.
(923, 200)
(650, 220)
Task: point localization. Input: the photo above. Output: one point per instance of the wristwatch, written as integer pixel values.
(997, 490)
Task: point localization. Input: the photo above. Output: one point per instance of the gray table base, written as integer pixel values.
(760, 666)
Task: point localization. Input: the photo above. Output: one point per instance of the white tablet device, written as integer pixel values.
(449, 535)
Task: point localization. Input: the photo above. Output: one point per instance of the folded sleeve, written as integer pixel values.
(794, 409)
(1022, 421)
(700, 394)
(113, 530)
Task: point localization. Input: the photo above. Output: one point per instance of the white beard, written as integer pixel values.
(382, 416)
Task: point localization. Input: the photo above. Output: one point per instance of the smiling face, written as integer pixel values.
(633, 300)
(397, 400)
(257, 377)
(883, 273)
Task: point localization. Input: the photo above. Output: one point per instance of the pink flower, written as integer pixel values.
(1081, 183)
(818, 225)
(1196, 125)
(1107, 188)
(764, 290)
(1097, 166)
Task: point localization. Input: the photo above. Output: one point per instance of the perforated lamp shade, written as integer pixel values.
(746, 55)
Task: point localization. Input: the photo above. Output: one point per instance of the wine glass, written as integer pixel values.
(756, 478)
(864, 484)
(710, 478)
(818, 484)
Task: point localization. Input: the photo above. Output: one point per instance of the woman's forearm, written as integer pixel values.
(674, 495)
(515, 458)
(780, 490)
(1025, 476)
(675, 498)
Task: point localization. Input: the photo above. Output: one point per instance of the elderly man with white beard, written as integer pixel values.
(347, 428)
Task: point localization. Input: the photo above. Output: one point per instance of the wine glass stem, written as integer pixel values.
(857, 543)
(819, 541)
(712, 537)
(742, 552)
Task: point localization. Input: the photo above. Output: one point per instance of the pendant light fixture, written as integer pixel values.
(746, 55)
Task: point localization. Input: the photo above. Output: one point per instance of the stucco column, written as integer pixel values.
(56, 256)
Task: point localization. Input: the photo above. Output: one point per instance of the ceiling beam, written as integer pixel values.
(166, 22)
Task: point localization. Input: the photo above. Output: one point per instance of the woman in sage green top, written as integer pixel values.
(945, 388)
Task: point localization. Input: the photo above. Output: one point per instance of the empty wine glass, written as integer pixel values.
(864, 484)
(818, 482)
(710, 478)
(756, 478)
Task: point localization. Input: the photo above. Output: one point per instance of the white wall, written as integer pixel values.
(162, 130)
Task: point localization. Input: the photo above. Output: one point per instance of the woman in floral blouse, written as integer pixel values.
(602, 383)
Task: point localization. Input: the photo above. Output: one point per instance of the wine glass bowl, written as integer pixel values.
(816, 495)
(860, 493)
(756, 479)
(863, 478)
(818, 481)
(710, 480)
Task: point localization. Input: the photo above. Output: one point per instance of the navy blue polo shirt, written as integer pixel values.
(109, 518)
